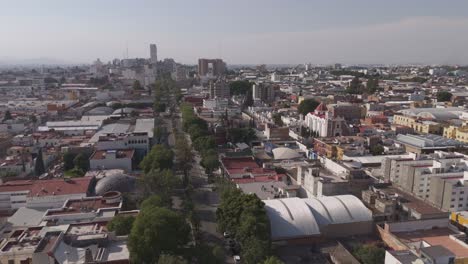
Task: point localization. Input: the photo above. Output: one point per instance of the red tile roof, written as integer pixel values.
(48, 187)
(245, 165)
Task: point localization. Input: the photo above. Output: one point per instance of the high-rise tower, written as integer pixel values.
(153, 54)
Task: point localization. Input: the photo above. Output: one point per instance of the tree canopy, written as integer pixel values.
(160, 157)
(81, 161)
(240, 87)
(272, 260)
(369, 254)
(170, 259)
(7, 116)
(157, 231)
(236, 135)
(121, 225)
(307, 106)
(137, 85)
(355, 86)
(244, 216)
(444, 96)
(39, 167)
(376, 149)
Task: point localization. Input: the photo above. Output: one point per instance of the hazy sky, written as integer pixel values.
(239, 31)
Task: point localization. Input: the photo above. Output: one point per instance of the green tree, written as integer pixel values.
(154, 201)
(205, 143)
(372, 85)
(160, 157)
(33, 119)
(39, 167)
(157, 230)
(307, 106)
(272, 260)
(137, 85)
(7, 116)
(355, 86)
(196, 131)
(68, 159)
(444, 96)
(254, 251)
(160, 182)
(369, 254)
(170, 259)
(248, 101)
(240, 87)
(236, 135)
(210, 162)
(121, 225)
(81, 162)
(277, 119)
(376, 149)
(184, 156)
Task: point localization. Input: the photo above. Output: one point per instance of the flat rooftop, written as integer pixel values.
(82, 206)
(434, 237)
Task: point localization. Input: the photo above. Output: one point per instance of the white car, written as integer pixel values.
(236, 259)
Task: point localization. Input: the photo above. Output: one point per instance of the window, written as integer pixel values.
(453, 199)
(452, 206)
(460, 205)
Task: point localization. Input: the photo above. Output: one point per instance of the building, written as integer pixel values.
(245, 169)
(113, 159)
(153, 54)
(457, 133)
(430, 241)
(299, 220)
(213, 67)
(263, 92)
(219, 89)
(324, 124)
(352, 113)
(43, 193)
(428, 143)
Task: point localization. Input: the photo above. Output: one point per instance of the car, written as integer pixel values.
(236, 258)
(225, 234)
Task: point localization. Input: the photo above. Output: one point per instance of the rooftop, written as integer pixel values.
(48, 187)
(86, 205)
(115, 154)
(434, 237)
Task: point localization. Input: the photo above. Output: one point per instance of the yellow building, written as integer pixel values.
(458, 133)
(423, 127)
(460, 218)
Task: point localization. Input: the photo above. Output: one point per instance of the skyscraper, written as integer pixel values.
(153, 54)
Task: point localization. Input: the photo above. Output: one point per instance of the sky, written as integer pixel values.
(238, 31)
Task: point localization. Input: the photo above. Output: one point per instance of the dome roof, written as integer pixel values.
(101, 110)
(285, 153)
(116, 182)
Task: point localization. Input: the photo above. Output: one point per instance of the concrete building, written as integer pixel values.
(263, 92)
(112, 159)
(219, 89)
(428, 143)
(153, 54)
(43, 193)
(214, 67)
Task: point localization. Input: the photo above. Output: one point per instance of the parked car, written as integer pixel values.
(237, 259)
(226, 234)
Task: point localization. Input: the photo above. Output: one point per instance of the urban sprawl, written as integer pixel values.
(140, 160)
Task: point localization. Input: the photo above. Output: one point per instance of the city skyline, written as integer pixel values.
(240, 32)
